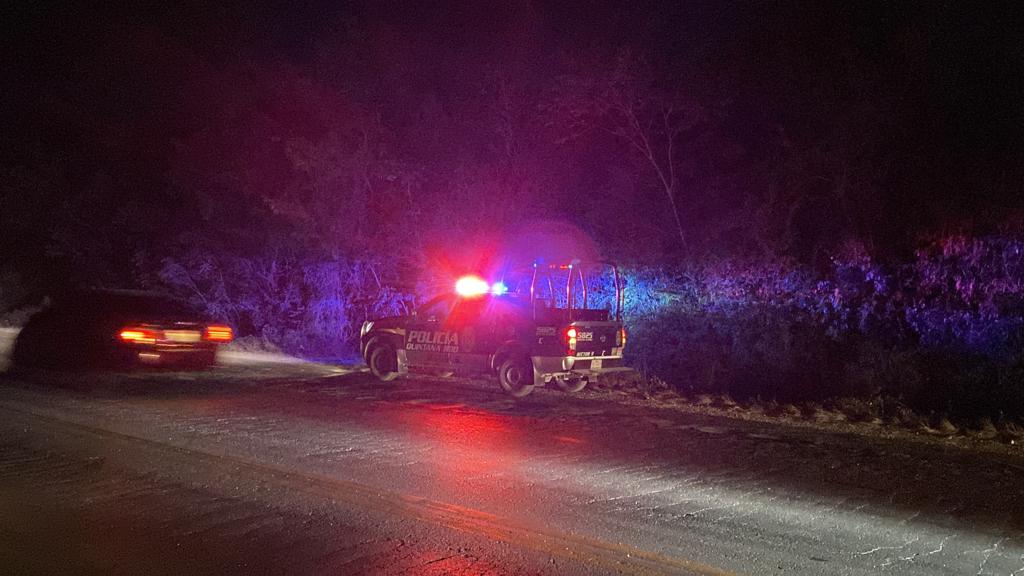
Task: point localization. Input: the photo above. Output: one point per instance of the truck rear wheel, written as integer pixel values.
(573, 385)
(516, 377)
(383, 362)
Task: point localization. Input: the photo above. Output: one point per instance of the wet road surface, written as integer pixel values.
(311, 469)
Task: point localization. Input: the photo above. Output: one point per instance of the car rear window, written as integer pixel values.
(150, 306)
(126, 306)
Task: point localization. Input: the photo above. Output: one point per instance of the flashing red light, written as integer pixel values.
(471, 286)
(570, 336)
(137, 335)
(219, 333)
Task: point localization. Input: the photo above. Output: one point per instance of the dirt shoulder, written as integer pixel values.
(845, 416)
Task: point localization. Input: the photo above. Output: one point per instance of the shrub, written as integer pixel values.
(307, 307)
(942, 333)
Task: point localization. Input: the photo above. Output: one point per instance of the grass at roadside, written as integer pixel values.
(876, 417)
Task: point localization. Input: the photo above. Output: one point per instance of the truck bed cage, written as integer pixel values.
(574, 270)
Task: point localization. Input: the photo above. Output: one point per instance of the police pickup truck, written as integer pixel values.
(525, 337)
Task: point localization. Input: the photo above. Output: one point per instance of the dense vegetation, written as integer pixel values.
(812, 203)
(942, 334)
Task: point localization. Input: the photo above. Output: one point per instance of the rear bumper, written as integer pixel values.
(160, 355)
(547, 368)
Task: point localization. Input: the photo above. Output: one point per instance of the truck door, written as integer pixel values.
(427, 337)
(473, 323)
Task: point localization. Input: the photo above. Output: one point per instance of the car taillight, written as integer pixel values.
(138, 335)
(570, 337)
(622, 337)
(218, 333)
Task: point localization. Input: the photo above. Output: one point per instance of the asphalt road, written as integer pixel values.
(297, 468)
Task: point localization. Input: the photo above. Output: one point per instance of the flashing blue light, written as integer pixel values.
(499, 288)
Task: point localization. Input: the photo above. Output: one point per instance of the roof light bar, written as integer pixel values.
(471, 286)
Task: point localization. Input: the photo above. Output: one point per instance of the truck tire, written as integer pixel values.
(572, 386)
(515, 375)
(383, 362)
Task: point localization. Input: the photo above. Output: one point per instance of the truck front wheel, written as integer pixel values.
(516, 376)
(383, 362)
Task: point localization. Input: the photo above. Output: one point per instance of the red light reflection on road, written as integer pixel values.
(472, 446)
(456, 425)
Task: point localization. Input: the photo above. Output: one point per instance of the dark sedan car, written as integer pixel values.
(118, 329)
